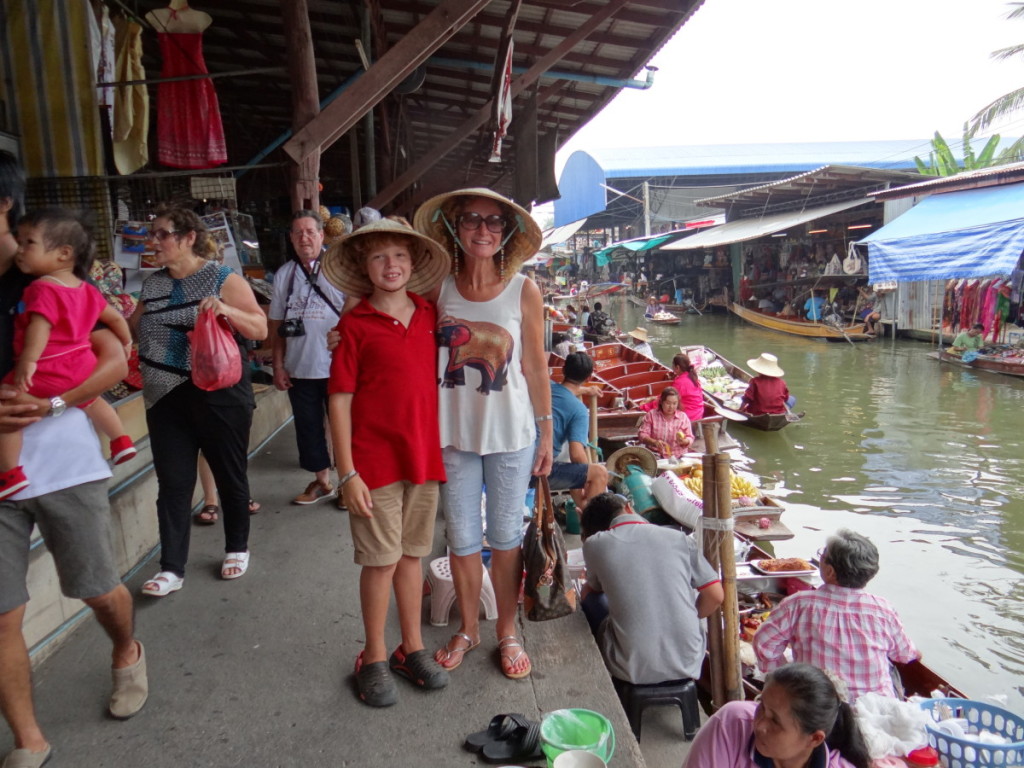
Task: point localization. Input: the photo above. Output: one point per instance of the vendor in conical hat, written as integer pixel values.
(495, 403)
(766, 392)
(639, 336)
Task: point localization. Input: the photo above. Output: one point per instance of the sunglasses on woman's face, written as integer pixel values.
(161, 234)
(495, 223)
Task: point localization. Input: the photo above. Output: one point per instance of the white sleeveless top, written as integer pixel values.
(484, 402)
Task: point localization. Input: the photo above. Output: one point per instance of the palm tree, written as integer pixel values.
(1007, 103)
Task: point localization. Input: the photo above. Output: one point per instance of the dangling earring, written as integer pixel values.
(455, 261)
(501, 271)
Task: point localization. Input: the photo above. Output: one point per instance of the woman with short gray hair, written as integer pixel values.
(839, 627)
(853, 558)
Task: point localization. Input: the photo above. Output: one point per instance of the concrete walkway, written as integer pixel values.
(257, 672)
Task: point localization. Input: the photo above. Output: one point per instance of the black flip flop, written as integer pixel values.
(500, 728)
(522, 746)
(208, 515)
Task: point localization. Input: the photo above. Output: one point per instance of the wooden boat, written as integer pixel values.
(804, 328)
(917, 678)
(767, 422)
(664, 318)
(603, 289)
(628, 378)
(1008, 366)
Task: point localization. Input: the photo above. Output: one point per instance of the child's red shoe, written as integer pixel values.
(12, 481)
(122, 449)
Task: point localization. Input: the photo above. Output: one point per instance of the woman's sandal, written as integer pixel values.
(447, 653)
(163, 584)
(237, 561)
(508, 663)
(208, 515)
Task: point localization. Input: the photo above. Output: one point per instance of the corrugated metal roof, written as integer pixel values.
(816, 185)
(984, 177)
(750, 229)
(704, 159)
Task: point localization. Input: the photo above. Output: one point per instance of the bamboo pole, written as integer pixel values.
(592, 405)
(732, 681)
(711, 553)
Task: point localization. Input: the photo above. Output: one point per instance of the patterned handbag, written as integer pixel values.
(548, 592)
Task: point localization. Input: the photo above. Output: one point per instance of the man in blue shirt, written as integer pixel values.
(572, 426)
(813, 306)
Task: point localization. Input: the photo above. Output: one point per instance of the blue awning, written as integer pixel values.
(970, 233)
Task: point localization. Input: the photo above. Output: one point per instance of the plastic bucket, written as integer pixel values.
(566, 729)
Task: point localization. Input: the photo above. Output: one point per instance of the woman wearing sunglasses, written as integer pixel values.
(495, 399)
(182, 418)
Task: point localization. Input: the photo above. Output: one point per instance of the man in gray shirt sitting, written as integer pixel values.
(648, 587)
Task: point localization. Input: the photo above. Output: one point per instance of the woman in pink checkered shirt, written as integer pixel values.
(666, 430)
(840, 626)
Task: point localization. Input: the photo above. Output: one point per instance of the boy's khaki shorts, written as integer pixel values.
(402, 524)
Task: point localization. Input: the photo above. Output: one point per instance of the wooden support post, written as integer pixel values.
(305, 173)
(709, 431)
(730, 666)
(592, 406)
(711, 553)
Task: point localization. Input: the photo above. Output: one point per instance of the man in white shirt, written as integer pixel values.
(68, 500)
(305, 307)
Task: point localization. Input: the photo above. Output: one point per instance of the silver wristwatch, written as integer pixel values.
(57, 406)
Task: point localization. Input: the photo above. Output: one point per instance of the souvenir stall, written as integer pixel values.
(960, 249)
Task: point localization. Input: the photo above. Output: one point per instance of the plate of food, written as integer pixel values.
(784, 566)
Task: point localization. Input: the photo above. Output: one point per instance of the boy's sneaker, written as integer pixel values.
(419, 667)
(12, 481)
(122, 449)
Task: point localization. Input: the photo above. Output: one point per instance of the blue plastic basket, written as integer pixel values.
(968, 752)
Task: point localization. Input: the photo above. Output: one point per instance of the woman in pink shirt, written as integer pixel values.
(691, 394)
(666, 430)
(801, 719)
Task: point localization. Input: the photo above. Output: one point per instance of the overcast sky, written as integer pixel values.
(753, 71)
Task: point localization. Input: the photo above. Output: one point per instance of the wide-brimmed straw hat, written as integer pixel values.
(435, 216)
(632, 455)
(639, 333)
(766, 365)
(342, 269)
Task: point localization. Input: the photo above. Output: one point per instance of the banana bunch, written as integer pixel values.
(741, 486)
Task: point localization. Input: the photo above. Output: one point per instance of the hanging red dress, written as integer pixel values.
(189, 130)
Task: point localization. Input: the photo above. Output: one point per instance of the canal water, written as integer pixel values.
(926, 459)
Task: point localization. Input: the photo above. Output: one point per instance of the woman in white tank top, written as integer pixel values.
(494, 400)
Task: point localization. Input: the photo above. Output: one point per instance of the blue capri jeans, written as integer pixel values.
(506, 476)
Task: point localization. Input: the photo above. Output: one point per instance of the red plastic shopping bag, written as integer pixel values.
(216, 359)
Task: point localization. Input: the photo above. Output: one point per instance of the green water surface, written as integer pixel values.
(923, 457)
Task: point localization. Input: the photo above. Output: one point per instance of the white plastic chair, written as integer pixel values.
(442, 592)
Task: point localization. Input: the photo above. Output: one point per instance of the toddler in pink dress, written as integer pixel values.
(58, 311)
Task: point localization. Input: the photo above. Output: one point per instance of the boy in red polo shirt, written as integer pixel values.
(383, 413)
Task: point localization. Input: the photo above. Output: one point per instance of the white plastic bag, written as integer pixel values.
(678, 501)
(890, 726)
